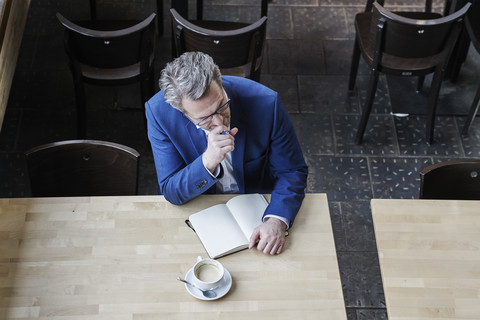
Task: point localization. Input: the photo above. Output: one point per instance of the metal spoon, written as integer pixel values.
(206, 293)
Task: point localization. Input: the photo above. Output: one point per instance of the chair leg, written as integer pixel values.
(264, 8)
(420, 81)
(472, 113)
(432, 105)
(160, 17)
(354, 66)
(147, 86)
(151, 84)
(199, 9)
(93, 9)
(428, 6)
(144, 90)
(372, 88)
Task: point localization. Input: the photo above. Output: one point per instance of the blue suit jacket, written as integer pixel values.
(267, 157)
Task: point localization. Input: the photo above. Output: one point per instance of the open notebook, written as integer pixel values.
(226, 228)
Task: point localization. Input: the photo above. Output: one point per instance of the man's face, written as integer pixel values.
(197, 110)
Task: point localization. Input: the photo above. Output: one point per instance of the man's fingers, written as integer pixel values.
(254, 238)
(280, 249)
(269, 248)
(269, 240)
(276, 248)
(233, 131)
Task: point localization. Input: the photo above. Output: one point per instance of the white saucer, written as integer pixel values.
(222, 290)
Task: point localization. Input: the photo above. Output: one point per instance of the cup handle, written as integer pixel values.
(199, 258)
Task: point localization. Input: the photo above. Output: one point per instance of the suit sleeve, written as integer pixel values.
(178, 181)
(287, 166)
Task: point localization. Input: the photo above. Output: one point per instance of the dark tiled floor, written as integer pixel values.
(307, 61)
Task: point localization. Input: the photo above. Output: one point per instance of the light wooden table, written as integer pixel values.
(118, 258)
(429, 254)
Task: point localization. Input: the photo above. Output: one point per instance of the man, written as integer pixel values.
(214, 134)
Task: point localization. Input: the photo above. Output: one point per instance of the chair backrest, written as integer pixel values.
(82, 168)
(455, 179)
(405, 37)
(236, 52)
(95, 44)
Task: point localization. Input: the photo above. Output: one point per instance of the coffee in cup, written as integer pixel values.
(207, 273)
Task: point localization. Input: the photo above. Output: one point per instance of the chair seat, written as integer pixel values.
(394, 65)
(107, 25)
(112, 74)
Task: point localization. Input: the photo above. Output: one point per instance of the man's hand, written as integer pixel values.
(218, 145)
(270, 236)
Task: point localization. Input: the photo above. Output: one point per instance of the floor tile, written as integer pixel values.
(362, 284)
(342, 178)
(338, 57)
(147, 180)
(412, 139)
(368, 314)
(286, 86)
(337, 225)
(127, 127)
(314, 131)
(14, 182)
(453, 99)
(295, 57)
(326, 94)
(357, 225)
(397, 178)
(279, 25)
(471, 142)
(319, 23)
(381, 102)
(379, 137)
(8, 135)
(40, 126)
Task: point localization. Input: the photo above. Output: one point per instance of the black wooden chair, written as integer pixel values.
(82, 168)
(105, 52)
(427, 14)
(455, 179)
(472, 24)
(404, 45)
(237, 52)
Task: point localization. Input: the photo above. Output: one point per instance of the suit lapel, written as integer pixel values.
(239, 153)
(197, 138)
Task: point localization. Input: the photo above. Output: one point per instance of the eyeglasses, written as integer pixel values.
(209, 118)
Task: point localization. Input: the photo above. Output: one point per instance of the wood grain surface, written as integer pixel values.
(13, 16)
(118, 258)
(429, 254)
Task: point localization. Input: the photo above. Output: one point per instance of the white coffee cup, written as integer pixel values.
(207, 273)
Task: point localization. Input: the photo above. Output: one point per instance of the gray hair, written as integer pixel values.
(189, 76)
